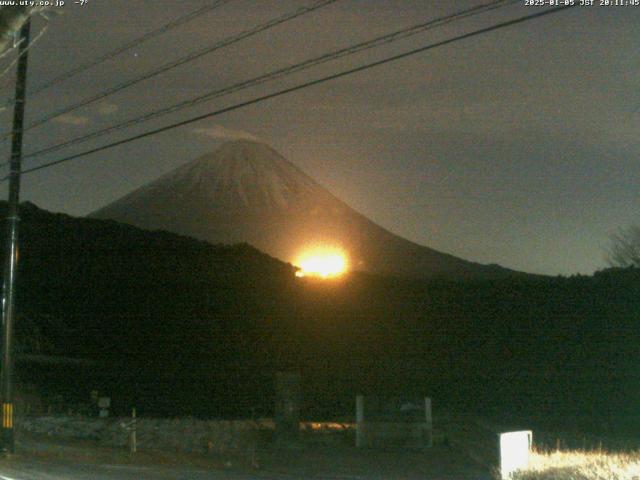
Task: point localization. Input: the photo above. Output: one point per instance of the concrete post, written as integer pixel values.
(360, 421)
(287, 408)
(134, 432)
(428, 418)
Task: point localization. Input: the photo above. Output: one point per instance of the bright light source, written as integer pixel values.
(515, 448)
(322, 262)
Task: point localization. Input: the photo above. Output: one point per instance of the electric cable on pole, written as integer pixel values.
(280, 73)
(298, 87)
(181, 61)
(178, 22)
(11, 250)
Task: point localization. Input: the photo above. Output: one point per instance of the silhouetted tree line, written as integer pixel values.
(624, 250)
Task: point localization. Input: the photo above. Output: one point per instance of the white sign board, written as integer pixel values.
(515, 448)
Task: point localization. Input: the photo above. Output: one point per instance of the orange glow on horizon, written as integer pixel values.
(322, 263)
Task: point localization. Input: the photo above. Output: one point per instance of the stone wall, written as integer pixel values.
(179, 435)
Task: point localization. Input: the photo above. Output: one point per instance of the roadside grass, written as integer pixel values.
(581, 465)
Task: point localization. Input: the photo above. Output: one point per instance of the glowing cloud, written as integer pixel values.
(70, 119)
(108, 108)
(224, 133)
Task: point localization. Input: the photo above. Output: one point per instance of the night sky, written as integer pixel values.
(518, 147)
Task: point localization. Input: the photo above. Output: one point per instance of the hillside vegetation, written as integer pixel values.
(582, 465)
(179, 326)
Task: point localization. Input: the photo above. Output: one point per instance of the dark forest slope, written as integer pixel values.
(180, 326)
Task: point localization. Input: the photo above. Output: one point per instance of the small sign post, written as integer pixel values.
(103, 404)
(515, 448)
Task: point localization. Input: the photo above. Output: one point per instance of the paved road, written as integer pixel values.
(39, 460)
(23, 469)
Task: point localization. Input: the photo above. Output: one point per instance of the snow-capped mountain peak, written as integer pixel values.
(240, 175)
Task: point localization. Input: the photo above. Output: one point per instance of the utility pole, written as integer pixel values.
(11, 251)
(11, 19)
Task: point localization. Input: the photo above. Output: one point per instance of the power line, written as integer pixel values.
(31, 44)
(128, 46)
(286, 71)
(181, 61)
(300, 87)
(9, 50)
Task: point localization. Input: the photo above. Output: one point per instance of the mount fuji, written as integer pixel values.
(246, 192)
